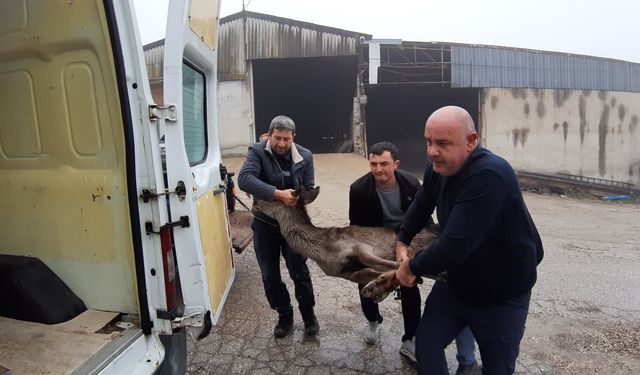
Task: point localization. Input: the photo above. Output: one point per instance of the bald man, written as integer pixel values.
(489, 247)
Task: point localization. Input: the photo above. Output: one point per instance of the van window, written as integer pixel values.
(194, 120)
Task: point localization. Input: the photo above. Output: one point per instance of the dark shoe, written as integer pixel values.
(285, 322)
(311, 326)
(467, 369)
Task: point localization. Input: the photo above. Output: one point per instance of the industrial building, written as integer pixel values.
(549, 113)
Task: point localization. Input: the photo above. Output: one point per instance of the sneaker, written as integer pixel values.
(311, 326)
(467, 369)
(408, 349)
(285, 322)
(372, 333)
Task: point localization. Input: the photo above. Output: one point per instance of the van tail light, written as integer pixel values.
(169, 266)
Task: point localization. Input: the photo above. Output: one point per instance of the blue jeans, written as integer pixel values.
(498, 330)
(268, 244)
(466, 346)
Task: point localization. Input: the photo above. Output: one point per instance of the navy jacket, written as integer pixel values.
(261, 174)
(365, 208)
(489, 245)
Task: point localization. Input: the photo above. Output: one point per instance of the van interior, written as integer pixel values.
(67, 229)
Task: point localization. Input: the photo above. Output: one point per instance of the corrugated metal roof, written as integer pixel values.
(295, 23)
(489, 66)
(153, 57)
(267, 37)
(270, 37)
(231, 61)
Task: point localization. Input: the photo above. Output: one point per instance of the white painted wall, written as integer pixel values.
(587, 133)
(235, 117)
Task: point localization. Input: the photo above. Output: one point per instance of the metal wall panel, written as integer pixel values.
(267, 37)
(270, 37)
(153, 57)
(231, 57)
(271, 40)
(485, 66)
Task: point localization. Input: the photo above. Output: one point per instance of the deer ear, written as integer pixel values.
(309, 196)
(298, 192)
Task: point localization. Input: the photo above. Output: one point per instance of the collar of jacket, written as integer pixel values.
(295, 155)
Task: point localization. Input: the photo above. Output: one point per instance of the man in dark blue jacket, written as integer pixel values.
(274, 168)
(489, 247)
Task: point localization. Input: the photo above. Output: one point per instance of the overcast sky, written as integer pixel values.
(605, 28)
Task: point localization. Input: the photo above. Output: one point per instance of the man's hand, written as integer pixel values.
(402, 252)
(285, 196)
(404, 275)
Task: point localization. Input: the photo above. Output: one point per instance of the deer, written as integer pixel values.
(363, 255)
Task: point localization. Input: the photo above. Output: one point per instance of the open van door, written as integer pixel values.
(198, 216)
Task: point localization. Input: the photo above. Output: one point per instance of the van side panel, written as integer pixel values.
(216, 246)
(63, 188)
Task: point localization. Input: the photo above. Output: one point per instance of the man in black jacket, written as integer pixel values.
(380, 198)
(489, 247)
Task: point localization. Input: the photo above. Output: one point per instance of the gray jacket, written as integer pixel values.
(261, 174)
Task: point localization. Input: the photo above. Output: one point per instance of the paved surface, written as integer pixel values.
(584, 316)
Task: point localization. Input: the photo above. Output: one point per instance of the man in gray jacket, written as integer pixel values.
(274, 168)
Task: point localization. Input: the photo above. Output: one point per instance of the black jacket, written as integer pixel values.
(489, 245)
(261, 174)
(364, 204)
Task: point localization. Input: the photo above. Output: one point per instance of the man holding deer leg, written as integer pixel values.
(274, 168)
(489, 247)
(380, 198)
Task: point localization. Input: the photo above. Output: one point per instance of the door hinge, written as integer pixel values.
(180, 191)
(193, 320)
(182, 223)
(167, 112)
(222, 188)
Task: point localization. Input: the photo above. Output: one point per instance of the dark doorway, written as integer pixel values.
(397, 113)
(317, 93)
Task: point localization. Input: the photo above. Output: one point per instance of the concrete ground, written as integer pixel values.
(584, 316)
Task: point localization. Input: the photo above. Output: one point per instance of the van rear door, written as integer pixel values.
(201, 230)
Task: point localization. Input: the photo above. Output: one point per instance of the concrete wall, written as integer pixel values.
(587, 133)
(235, 117)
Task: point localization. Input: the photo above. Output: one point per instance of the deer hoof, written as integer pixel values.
(375, 291)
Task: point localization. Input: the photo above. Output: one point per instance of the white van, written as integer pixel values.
(105, 263)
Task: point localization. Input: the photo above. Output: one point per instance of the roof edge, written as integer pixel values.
(517, 49)
(289, 21)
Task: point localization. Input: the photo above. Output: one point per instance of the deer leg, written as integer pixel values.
(366, 256)
(363, 276)
(380, 287)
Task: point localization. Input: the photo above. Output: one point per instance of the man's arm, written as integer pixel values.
(418, 214)
(250, 182)
(413, 221)
(474, 215)
(249, 178)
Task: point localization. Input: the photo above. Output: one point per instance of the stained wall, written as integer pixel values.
(580, 132)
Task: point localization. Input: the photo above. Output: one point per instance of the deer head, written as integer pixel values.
(281, 212)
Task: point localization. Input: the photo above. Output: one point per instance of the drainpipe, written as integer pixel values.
(373, 65)
(248, 78)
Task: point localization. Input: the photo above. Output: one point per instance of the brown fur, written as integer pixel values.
(359, 254)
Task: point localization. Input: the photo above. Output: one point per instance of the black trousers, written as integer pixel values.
(410, 301)
(268, 244)
(498, 330)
